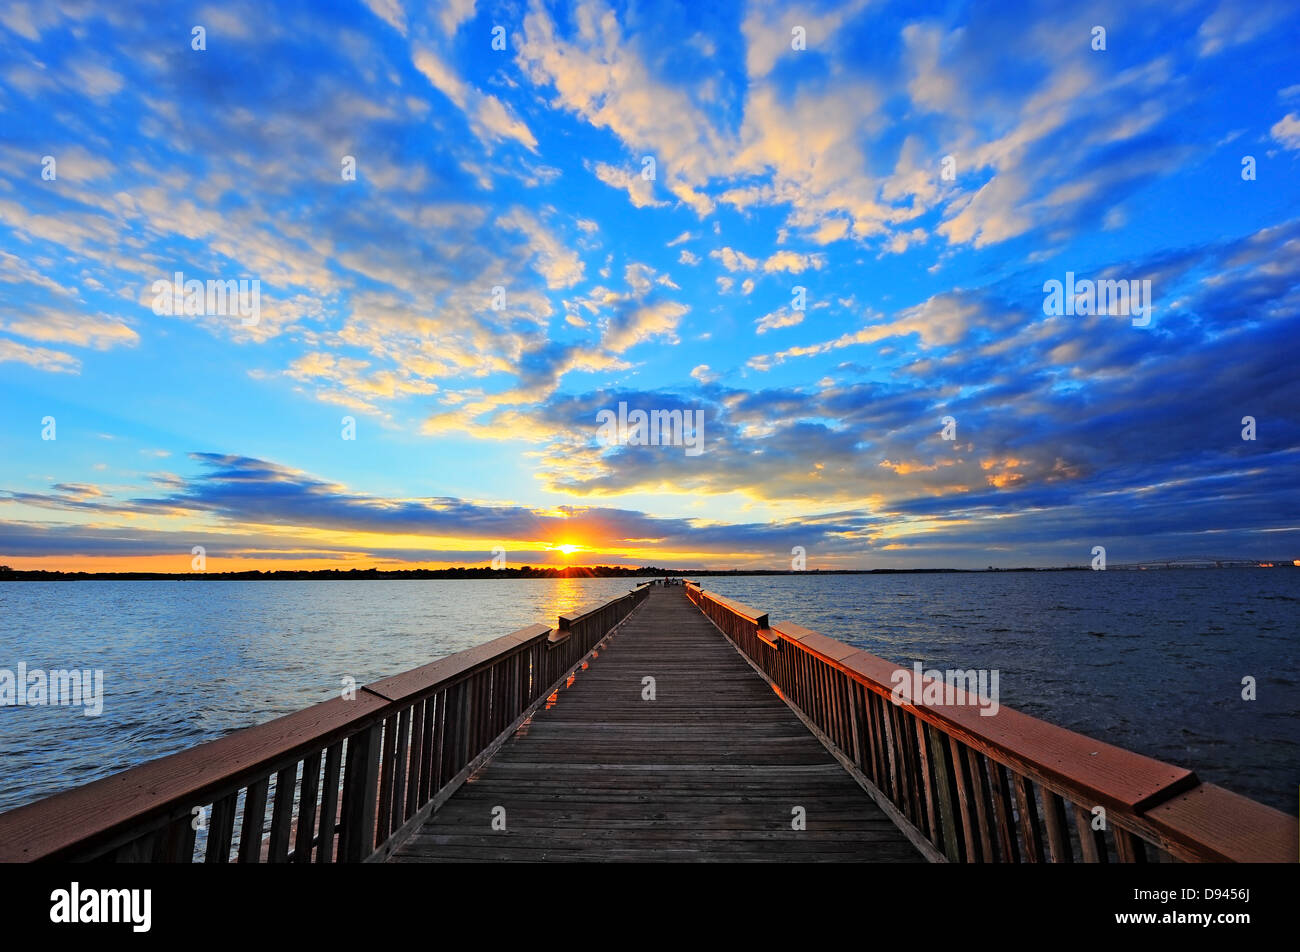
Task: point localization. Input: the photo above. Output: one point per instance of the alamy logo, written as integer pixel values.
(656, 428)
(979, 687)
(1085, 297)
(74, 904)
(60, 688)
(195, 298)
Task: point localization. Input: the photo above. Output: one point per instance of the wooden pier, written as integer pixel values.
(715, 767)
(668, 724)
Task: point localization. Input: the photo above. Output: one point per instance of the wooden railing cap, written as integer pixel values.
(399, 687)
(570, 618)
(792, 631)
(740, 608)
(1218, 825)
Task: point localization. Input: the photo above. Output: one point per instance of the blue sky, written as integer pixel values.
(524, 168)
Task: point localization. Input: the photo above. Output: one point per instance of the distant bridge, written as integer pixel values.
(1205, 562)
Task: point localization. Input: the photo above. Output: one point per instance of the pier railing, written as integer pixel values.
(342, 781)
(968, 787)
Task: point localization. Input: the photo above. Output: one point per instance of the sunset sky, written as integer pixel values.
(525, 168)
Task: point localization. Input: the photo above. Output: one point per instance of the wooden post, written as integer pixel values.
(360, 783)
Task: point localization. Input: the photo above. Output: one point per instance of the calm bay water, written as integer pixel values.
(1151, 661)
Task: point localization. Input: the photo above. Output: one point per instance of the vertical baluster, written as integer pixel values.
(842, 731)
(175, 842)
(439, 742)
(221, 829)
(387, 780)
(429, 750)
(1002, 810)
(286, 785)
(329, 802)
(855, 722)
(980, 792)
(965, 808)
(917, 770)
(250, 832)
(907, 801)
(931, 825)
(417, 769)
(1058, 834)
(891, 762)
(307, 808)
(1092, 843)
(1128, 848)
(1028, 819)
(360, 783)
(399, 769)
(943, 788)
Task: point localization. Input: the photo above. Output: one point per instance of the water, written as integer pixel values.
(1149, 661)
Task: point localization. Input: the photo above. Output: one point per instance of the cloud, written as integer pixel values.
(391, 12)
(453, 14)
(734, 260)
(1233, 24)
(781, 317)
(41, 358)
(560, 266)
(81, 330)
(1286, 131)
(640, 191)
(794, 262)
(491, 119)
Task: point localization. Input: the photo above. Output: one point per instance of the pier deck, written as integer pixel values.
(711, 769)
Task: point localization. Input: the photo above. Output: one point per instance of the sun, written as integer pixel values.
(569, 549)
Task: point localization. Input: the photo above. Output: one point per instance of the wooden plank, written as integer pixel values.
(713, 768)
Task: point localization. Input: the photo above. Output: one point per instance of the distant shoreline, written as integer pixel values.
(599, 571)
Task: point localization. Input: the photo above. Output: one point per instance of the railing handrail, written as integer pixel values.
(79, 820)
(1162, 801)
